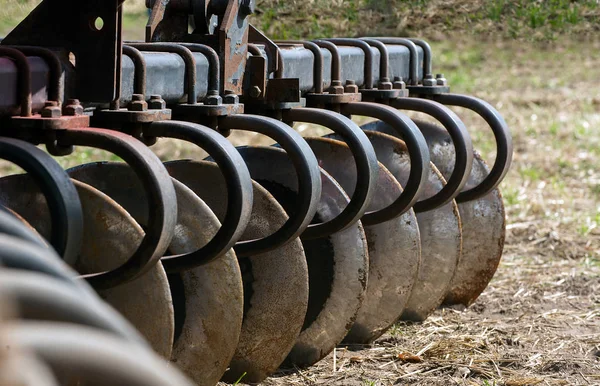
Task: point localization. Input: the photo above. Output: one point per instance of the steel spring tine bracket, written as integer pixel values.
(337, 263)
(307, 169)
(63, 202)
(480, 203)
(266, 276)
(158, 186)
(460, 138)
(417, 146)
(239, 190)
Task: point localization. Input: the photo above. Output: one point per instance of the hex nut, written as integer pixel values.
(157, 103)
(254, 92)
(385, 85)
(429, 81)
(51, 112)
(137, 106)
(213, 100)
(399, 84)
(231, 99)
(441, 80)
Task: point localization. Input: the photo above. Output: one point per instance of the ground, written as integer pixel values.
(538, 322)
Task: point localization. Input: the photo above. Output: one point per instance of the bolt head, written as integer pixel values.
(254, 92)
(50, 104)
(157, 103)
(399, 83)
(135, 105)
(440, 80)
(231, 99)
(73, 110)
(429, 81)
(51, 112)
(385, 85)
(213, 100)
(337, 90)
(351, 88)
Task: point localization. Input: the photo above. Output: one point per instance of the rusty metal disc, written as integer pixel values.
(110, 236)
(483, 219)
(275, 283)
(394, 246)
(208, 300)
(441, 237)
(483, 222)
(337, 264)
(206, 332)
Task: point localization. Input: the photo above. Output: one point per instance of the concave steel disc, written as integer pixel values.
(337, 264)
(110, 236)
(483, 219)
(441, 237)
(207, 333)
(394, 246)
(275, 283)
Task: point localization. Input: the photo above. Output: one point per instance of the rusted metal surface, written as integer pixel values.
(394, 246)
(97, 50)
(212, 294)
(337, 263)
(440, 230)
(110, 236)
(272, 322)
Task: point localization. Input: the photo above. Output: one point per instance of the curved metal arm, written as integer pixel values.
(384, 58)
(139, 68)
(427, 55)
(336, 59)
(463, 149)
(23, 78)
(368, 70)
(417, 150)
(366, 167)
(309, 179)
(53, 63)
(61, 195)
(186, 55)
(502, 135)
(89, 355)
(239, 190)
(214, 66)
(162, 202)
(413, 56)
(318, 61)
(39, 297)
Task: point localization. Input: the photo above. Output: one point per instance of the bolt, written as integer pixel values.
(254, 92)
(73, 108)
(351, 87)
(247, 7)
(440, 80)
(137, 103)
(429, 81)
(157, 103)
(336, 87)
(399, 83)
(213, 99)
(384, 84)
(230, 98)
(51, 110)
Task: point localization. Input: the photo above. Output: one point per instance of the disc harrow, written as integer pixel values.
(257, 257)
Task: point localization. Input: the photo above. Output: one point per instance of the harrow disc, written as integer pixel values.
(337, 264)
(206, 332)
(440, 229)
(271, 322)
(394, 246)
(483, 221)
(110, 236)
(484, 226)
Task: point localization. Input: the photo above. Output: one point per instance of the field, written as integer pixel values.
(538, 63)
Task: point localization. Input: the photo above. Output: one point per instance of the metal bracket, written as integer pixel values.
(90, 30)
